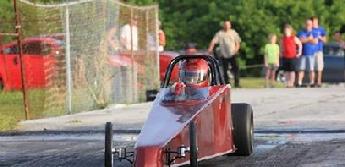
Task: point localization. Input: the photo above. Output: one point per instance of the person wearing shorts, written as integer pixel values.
(271, 59)
(321, 35)
(307, 60)
(289, 53)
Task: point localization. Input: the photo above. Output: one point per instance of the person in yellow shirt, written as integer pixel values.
(271, 59)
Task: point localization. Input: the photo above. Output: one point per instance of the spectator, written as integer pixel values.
(289, 54)
(151, 44)
(229, 45)
(190, 48)
(321, 35)
(307, 60)
(112, 41)
(271, 59)
(339, 40)
(129, 35)
(161, 37)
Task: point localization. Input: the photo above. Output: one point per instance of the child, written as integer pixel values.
(271, 59)
(290, 54)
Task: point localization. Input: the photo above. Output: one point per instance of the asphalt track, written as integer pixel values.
(294, 127)
(85, 149)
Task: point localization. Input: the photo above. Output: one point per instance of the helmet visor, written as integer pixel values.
(193, 77)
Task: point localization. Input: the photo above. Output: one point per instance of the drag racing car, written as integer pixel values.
(190, 120)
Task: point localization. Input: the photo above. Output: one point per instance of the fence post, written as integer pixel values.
(68, 64)
(157, 22)
(22, 65)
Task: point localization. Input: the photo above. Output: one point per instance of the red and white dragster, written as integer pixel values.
(190, 120)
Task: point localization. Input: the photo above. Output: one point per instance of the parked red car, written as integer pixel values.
(38, 57)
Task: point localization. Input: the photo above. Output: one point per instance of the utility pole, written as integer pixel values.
(20, 53)
(69, 82)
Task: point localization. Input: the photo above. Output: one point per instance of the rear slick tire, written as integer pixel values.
(193, 154)
(242, 118)
(108, 145)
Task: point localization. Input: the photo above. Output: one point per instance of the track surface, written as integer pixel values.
(283, 149)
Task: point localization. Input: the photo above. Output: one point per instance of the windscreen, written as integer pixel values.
(184, 94)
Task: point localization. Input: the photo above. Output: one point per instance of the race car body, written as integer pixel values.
(167, 126)
(190, 120)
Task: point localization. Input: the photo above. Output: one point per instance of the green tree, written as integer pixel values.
(6, 19)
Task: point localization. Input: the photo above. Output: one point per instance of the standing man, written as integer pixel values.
(229, 45)
(307, 61)
(321, 35)
(129, 35)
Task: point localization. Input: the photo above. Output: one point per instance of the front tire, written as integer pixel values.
(242, 118)
(108, 154)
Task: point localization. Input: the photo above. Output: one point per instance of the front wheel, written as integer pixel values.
(108, 154)
(242, 118)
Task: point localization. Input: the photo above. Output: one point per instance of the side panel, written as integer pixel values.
(214, 134)
(49, 69)
(37, 55)
(167, 126)
(3, 75)
(34, 72)
(12, 64)
(149, 157)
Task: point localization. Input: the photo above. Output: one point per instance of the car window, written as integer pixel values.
(334, 51)
(187, 93)
(10, 50)
(36, 48)
(61, 43)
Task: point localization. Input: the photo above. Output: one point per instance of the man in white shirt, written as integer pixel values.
(129, 35)
(229, 45)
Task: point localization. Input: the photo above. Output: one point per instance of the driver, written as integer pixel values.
(193, 76)
(194, 73)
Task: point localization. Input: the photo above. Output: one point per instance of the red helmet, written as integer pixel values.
(194, 73)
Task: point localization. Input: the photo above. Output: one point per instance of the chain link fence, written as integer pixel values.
(83, 55)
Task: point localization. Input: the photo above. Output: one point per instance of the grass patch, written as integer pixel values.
(255, 82)
(12, 108)
(7, 122)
